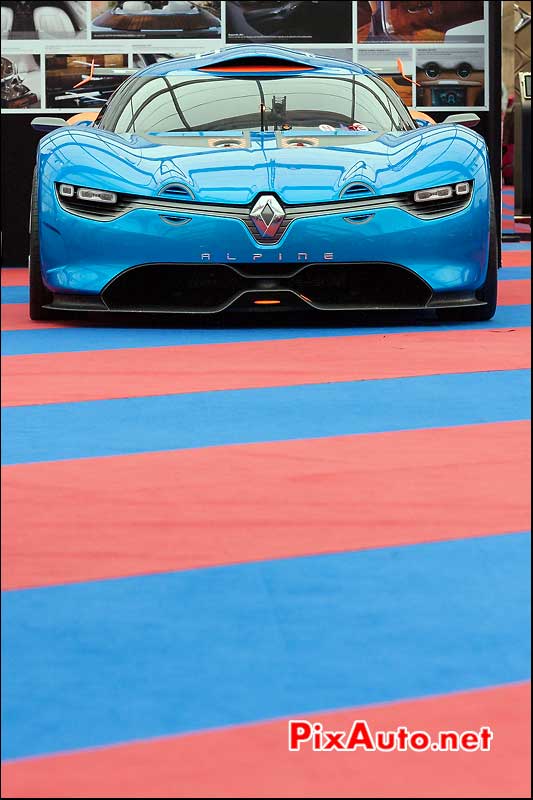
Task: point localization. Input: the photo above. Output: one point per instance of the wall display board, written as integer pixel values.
(435, 54)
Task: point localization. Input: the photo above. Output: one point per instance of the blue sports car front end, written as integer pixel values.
(256, 178)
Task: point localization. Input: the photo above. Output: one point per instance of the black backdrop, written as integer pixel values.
(19, 143)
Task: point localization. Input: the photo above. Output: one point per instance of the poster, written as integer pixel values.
(65, 73)
(156, 20)
(443, 47)
(325, 22)
(43, 20)
(21, 81)
(446, 22)
(450, 78)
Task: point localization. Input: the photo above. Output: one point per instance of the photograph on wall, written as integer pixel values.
(71, 81)
(146, 59)
(21, 81)
(450, 78)
(157, 19)
(415, 21)
(326, 21)
(393, 64)
(44, 20)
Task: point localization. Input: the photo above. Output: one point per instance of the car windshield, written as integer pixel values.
(196, 102)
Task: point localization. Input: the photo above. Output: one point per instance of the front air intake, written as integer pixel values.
(176, 191)
(356, 190)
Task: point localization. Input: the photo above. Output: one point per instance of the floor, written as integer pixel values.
(208, 531)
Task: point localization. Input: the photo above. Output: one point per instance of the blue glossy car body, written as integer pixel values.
(81, 256)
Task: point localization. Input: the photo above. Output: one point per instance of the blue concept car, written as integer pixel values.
(261, 178)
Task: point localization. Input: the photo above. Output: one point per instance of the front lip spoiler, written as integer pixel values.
(94, 303)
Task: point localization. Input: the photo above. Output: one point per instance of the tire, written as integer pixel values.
(39, 294)
(489, 291)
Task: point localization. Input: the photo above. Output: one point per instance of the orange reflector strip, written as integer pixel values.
(267, 302)
(259, 68)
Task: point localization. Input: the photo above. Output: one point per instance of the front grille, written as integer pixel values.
(164, 204)
(173, 287)
(361, 285)
(214, 287)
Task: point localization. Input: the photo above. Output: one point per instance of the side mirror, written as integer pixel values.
(469, 120)
(47, 123)
(423, 123)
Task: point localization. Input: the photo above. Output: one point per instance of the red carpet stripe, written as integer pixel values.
(514, 293)
(516, 258)
(107, 517)
(15, 318)
(253, 760)
(107, 374)
(15, 276)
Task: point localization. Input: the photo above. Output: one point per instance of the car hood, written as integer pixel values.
(147, 164)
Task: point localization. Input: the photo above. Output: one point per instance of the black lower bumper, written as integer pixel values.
(213, 288)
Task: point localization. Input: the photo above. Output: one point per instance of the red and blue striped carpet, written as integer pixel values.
(208, 531)
(509, 224)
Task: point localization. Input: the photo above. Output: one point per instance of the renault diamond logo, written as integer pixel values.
(267, 216)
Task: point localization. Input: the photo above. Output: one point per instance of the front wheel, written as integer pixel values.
(488, 292)
(39, 294)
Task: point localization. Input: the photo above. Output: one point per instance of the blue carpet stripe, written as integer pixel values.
(15, 294)
(525, 246)
(78, 338)
(97, 663)
(203, 419)
(515, 273)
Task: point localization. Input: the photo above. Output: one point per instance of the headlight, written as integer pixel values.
(82, 193)
(442, 192)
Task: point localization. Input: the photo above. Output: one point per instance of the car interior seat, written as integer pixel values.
(135, 7)
(52, 23)
(178, 7)
(7, 21)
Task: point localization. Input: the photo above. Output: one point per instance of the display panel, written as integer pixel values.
(433, 54)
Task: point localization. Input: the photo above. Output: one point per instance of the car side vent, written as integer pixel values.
(357, 190)
(300, 141)
(226, 142)
(177, 191)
